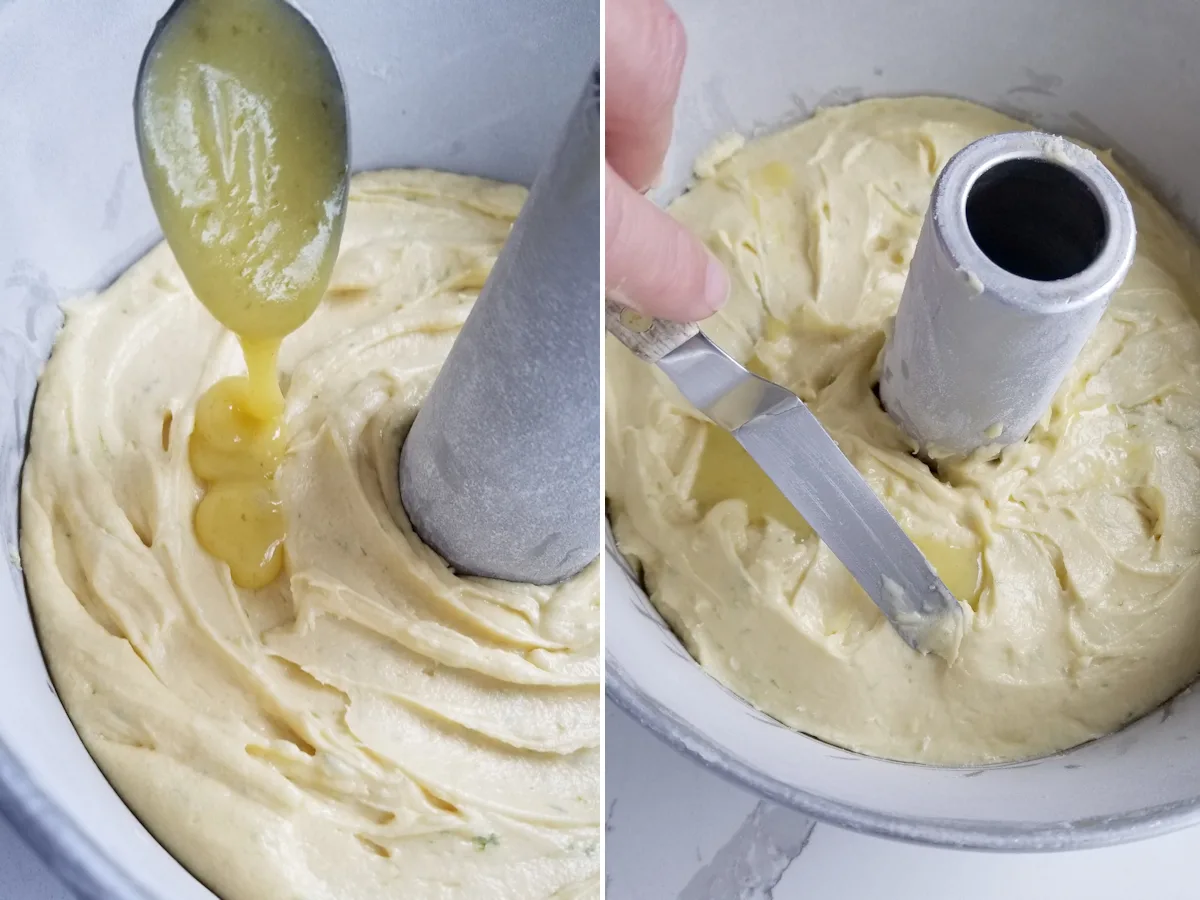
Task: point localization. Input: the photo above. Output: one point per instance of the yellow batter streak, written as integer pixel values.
(369, 725)
(1076, 549)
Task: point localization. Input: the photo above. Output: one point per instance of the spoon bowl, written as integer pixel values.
(242, 134)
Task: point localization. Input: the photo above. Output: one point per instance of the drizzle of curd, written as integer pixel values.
(776, 176)
(727, 472)
(244, 145)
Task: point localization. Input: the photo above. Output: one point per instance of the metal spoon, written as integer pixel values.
(242, 132)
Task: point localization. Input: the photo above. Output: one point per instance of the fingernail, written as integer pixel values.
(716, 285)
(619, 296)
(655, 182)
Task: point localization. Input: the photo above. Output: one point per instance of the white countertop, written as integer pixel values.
(675, 830)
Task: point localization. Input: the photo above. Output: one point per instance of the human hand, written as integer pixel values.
(652, 263)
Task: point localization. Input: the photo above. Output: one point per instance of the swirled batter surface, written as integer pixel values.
(370, 725)
(1076, 549)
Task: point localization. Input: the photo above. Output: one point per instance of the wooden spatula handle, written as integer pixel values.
(649, 338)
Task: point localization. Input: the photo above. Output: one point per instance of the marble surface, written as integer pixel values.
(22, 875)
(675, 830)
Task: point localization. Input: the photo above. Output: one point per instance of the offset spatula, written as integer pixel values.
(797, 453)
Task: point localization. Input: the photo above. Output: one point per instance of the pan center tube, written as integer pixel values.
(1025, 240)
(500, 472)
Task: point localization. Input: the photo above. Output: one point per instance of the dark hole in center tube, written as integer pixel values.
(1036, 219)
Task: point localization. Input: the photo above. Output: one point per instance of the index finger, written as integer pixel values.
(645, 46)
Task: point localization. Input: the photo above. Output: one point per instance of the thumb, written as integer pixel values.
(654, 264)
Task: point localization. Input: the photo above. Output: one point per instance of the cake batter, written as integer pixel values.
(369, 724)
(1076, 549)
